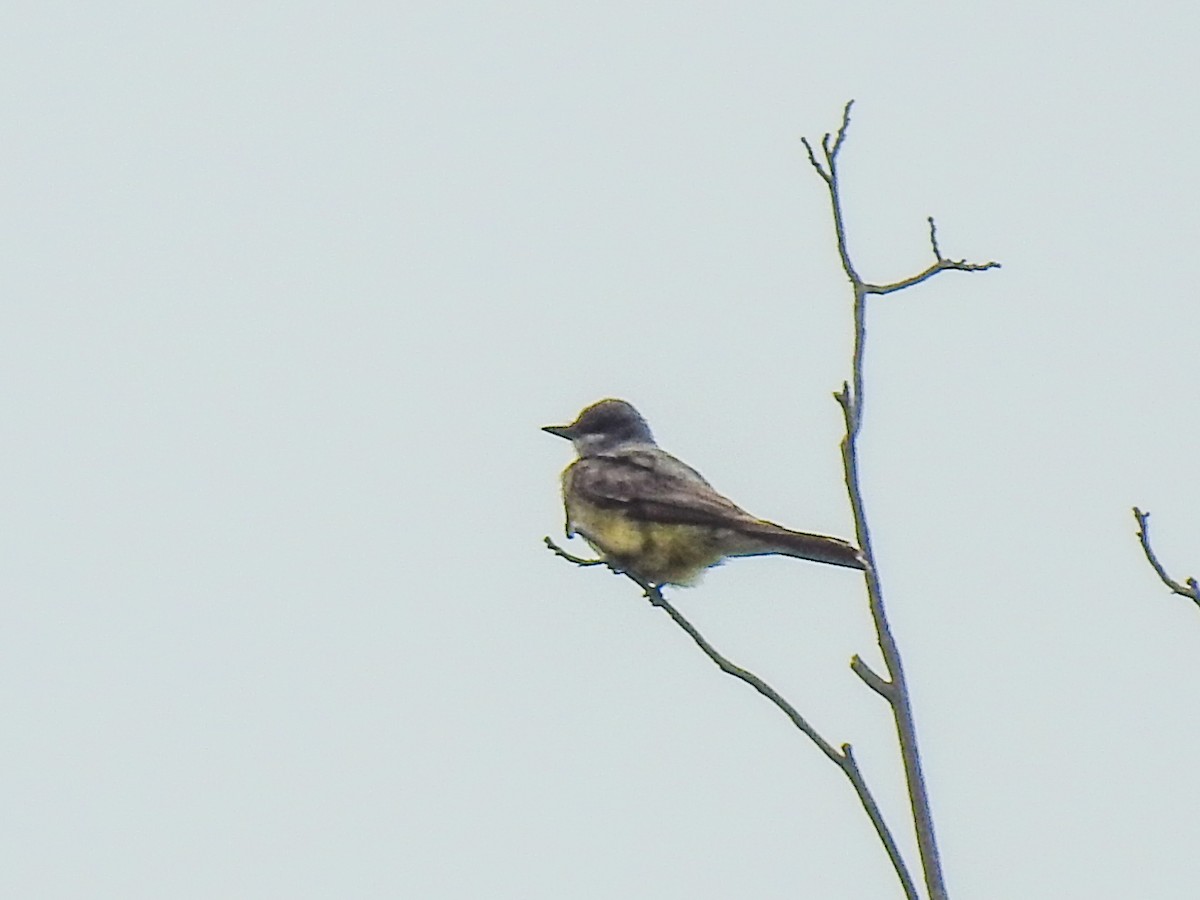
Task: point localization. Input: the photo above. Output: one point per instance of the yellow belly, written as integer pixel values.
(655, 552)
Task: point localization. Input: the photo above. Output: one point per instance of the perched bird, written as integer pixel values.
(656, 518)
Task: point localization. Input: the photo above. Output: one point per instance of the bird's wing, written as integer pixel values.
(653, 486)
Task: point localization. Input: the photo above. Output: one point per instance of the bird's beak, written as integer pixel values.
(562, 431)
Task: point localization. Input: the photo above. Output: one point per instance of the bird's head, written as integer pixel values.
(604, 427)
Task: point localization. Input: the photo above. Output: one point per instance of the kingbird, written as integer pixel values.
(656, 518)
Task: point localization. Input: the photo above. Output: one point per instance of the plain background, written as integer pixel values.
(288, 290)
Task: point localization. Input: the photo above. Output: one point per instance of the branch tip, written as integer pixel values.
(1192, 589)
(871, 678)
(937, 253)
(841, 134)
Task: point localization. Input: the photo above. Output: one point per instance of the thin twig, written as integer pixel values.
(569, 557)
(942, 265)
(850, 398)
(828, 173)
(871, 678)
(1192, 588)
(650, 591)
(843, 758)
(937, 251)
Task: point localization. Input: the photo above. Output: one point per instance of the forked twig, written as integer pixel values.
(1190, 588)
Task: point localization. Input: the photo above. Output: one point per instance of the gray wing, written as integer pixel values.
(653, 486)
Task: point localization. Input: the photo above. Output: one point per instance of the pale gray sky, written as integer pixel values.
(289, 289)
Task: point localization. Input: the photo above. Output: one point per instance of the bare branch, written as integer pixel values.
(578, 560)
(850, 767)
(751, 679)
(937, 253)
(650, 591)
(940, 264)
(843, 759)
(828, 173)
(843, 128)
(871, 678)
(812, 158)
(1192, 589)
(849, 409)
(850, 398)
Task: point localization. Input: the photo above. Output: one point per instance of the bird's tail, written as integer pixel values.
(764, 538)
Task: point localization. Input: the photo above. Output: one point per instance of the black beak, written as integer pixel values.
(562, 431)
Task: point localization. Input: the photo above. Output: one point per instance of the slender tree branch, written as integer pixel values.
(940, 264)
(843, 758)
(570, 557)
(850, 398)
(871, 678)
(937, 251)
(828, 173)
(1192, 588)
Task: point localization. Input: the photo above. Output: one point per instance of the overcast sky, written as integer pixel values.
(288, 291)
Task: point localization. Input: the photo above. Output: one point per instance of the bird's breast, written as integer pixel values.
(657, 552)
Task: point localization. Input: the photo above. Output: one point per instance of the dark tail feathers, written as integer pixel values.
(767, 537)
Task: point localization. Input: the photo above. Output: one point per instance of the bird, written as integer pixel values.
(655, 518)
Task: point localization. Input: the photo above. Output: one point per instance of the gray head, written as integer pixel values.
(605, 426)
